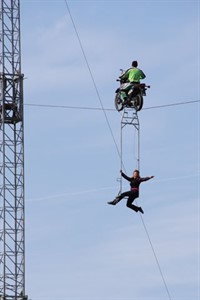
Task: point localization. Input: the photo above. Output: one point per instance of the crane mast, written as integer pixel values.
(12, 238)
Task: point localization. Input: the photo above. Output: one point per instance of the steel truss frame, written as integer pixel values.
(12, 254)
(130, 117)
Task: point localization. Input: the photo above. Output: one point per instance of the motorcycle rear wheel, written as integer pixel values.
(137, 102)
(118, 102)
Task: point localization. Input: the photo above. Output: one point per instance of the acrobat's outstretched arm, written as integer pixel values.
(125, 176)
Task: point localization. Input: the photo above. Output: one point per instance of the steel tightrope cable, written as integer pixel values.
(106, 109)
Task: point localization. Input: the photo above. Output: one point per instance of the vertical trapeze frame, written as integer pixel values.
(12, 254)
(129, 117)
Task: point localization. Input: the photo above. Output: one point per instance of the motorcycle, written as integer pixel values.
(130, 94)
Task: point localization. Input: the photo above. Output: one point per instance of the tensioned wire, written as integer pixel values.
(92, 77)
(95, 190)
(107, 109)
(107, 121)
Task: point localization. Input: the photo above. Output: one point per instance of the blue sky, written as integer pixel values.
(78, 247)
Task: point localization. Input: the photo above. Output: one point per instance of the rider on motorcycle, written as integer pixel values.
(131, 77)
(130, 92)
(134, 74)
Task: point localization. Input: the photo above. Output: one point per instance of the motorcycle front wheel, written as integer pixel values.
(118, 102)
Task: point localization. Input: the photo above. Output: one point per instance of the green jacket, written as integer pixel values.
(133, 74)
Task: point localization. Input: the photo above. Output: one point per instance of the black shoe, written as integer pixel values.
(115, 201)
(111, 202)
(140, 209)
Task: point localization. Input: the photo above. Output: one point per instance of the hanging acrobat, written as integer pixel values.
(135, 181)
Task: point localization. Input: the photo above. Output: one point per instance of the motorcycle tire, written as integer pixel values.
(138, 102)
(118, 102)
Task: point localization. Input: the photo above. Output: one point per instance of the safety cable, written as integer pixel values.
(97, 190)
(106, 109)
(92, 77)
(156, 258)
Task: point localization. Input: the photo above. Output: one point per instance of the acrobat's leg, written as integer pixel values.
(119, 198)
(130, 205)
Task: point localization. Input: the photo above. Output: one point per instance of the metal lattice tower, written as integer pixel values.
(12, 272)
(130, 117)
